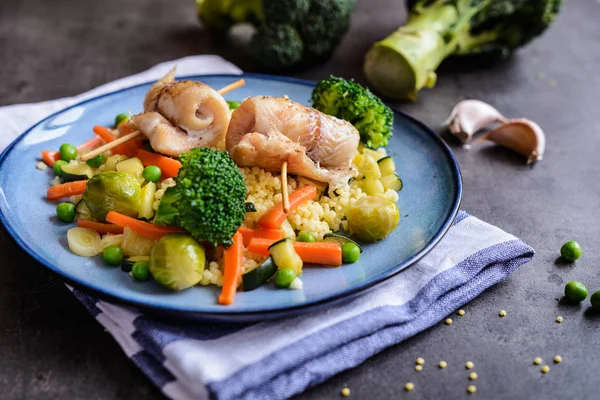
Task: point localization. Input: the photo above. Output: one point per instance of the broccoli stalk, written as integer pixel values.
(405, 62)
(209, 198)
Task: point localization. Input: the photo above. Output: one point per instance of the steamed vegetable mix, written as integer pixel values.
(288, 32)
(474, 30)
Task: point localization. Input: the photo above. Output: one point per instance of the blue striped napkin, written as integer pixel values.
(191, 360)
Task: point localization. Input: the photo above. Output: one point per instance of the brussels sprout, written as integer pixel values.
(112, 191)
(372, 218)
(177, 261)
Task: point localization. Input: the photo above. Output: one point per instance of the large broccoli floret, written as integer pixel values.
(276, 45)
(288, 32)
(350, 101)
(404, 62)
(209, 198)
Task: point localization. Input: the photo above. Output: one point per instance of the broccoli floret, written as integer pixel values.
(329, 20)
(276, 46)
(350, 101)
(404, 62)
(288, 32)
(209, 198)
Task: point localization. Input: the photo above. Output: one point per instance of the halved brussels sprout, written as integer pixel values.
(373, 218)
(112, 191)
(177, 261)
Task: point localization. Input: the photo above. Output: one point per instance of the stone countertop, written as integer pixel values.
(51, 348)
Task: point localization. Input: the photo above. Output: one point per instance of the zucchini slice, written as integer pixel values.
(259, 275)
(132, 166)
(76, 172)
(387, 166)
(392, 181)
(339, 239)
(146, 211)
(127, 263)
(284, 256)
(250, 207)
(372, 153)
(368, 167)
(373, 186)
(112, 161)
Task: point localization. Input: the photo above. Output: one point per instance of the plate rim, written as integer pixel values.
(236, 314)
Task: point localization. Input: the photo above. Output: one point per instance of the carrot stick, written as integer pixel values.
(232, 270)
(273, 218)
(57, 192)
(326, 253)
(249, 233)
(91, 144)
(105, 133)
(143, 228)
(50, 157)
(168, 166)
(99, 226)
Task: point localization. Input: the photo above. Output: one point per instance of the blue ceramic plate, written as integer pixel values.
(428, 204)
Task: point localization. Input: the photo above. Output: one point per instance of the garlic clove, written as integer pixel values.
(521, 135)
(470, 116)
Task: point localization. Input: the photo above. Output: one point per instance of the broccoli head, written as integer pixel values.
(209, 198)
(350, 101)
(404, 62)
(288, 32)
(275, 45)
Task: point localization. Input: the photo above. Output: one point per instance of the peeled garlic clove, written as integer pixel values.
(521, 135)
(470, 116)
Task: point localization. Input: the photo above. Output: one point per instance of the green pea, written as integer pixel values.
(152, 173)
(350, 252)
(140, 271)
(306, 237)
(57, 166)
(65, 212)
(233, 104)
(284, 277)
(113, 255)
(96, 161)
(576, 291)
(120, 118)
(67, 152)
(595, 300)
(571, 250)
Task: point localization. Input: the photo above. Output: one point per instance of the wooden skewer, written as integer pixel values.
(110, 145)
(284, 188)
(126, 138)
(231, 86)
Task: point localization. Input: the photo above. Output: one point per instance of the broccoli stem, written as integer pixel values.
(405, 62)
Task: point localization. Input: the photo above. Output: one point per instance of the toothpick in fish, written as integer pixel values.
(284, 188)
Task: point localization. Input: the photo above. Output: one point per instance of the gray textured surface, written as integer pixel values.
(52, 349)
